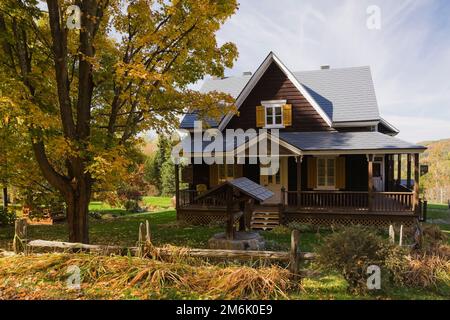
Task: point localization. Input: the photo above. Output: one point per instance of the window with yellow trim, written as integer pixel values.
(326, 173)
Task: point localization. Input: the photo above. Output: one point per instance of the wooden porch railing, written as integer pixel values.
(348, 200)
(392, 201)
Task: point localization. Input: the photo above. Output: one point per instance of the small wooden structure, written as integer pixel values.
(239, 195)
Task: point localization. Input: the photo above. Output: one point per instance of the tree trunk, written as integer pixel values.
(77, 202)
(5, 198)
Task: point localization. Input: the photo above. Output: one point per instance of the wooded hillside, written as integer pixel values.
(437, 181)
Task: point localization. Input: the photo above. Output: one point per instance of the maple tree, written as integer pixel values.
(85, 95)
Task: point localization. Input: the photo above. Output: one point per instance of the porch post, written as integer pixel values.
(299, 178)
(370, 184)
(230, 216)
(416, 181)
(177, 187)
(390, 172)
(408, 171)
(399, 169)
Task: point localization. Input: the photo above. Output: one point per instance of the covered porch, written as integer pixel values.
(330, 183)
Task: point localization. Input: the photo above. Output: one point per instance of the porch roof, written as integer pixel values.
(346, 141)
(245, 186)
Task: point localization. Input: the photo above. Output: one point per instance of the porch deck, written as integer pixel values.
(317, 207)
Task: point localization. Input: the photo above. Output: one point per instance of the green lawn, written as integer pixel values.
(160, 202)
(441, 212)
(124, 231)
(152, 203)
(118, 226)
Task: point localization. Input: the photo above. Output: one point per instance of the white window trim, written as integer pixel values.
(326, 188)
(272, 104)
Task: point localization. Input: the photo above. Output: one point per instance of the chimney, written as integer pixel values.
(325, 67)
(247, 73)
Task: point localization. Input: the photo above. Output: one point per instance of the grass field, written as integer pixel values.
(118, 226)
(121, 228)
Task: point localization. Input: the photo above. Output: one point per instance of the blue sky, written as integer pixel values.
(409, 56)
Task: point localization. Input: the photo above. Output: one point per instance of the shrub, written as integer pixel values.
(396, 262)
(350, 251)
(427, 271)
(132, 206)
(7, 216)
(302, 227)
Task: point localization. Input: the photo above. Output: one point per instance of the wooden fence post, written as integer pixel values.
(20, 236)
(400, 240)
(294, 258)
(147, 232)
(425, 210)
(144, 239)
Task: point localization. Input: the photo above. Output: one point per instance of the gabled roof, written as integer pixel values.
(346, 141)
(346, 95)
(244, 185)
(338, 95)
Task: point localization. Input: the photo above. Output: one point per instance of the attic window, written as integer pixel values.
(274, 113)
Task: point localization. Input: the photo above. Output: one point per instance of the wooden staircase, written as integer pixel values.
(265, 218)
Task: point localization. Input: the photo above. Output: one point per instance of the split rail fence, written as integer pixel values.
(293, 257)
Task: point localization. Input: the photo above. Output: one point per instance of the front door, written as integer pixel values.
(378, 174)
(275, 182)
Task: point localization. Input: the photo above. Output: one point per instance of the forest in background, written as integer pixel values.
(436, 183)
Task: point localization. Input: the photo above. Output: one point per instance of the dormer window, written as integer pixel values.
(274, 113)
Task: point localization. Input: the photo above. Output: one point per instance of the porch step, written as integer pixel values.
(264, 220)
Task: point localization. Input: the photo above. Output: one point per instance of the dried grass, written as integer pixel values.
(427, 271)
(44, 277)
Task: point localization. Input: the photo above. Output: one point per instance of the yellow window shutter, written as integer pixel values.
(238, 171)
(312, 173)
(340, 173)
(287, 115)
(260, 116)
(213, 175)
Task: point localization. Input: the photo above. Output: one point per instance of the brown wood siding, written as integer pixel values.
(274, 85)
(356, 173)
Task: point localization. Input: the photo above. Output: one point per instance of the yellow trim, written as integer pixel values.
(287, 115)
(260, 117)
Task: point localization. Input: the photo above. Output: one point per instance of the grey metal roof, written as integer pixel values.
(324, 141)
(345, 94)
(244, 185)
(188, 121)
(251, 188)
(231, 85)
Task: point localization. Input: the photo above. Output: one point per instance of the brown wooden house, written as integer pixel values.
(340, 161)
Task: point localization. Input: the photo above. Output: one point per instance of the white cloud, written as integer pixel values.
(417, 129)
(409, 56)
